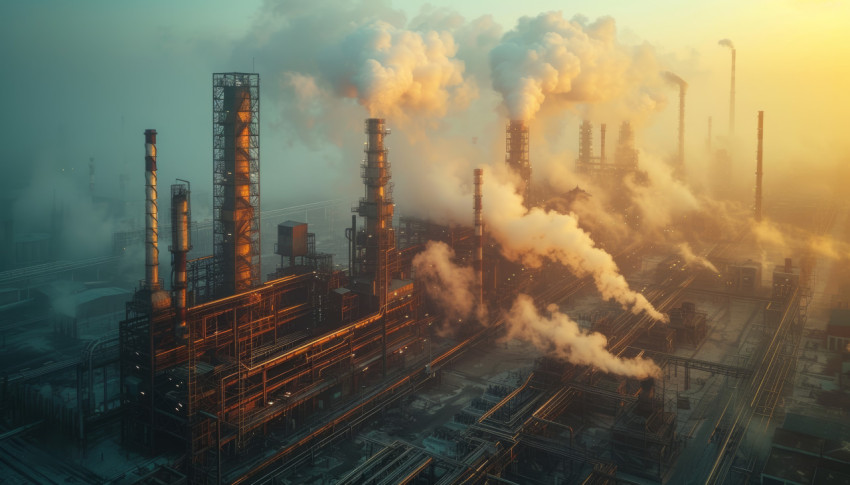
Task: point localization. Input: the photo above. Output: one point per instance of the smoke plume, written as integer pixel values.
(550, 58)
(674, 79)
(561, 336)
(685, 251)
(537, 234)
(397, 72)
(726, 43)
(448, 284)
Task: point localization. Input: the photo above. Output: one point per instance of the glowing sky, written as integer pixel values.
(84, 78)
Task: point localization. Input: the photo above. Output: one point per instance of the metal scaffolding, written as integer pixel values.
(236, 181)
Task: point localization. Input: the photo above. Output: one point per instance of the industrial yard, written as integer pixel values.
(539, 299)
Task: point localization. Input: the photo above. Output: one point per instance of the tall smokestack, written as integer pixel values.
(683, 88)
(759, 171)
(478, 220)
(180, 245)
(377, 209)
(602, 130)
(151, 214)
(728, 43)
(516, 156)
(732, 98)
(236, 181)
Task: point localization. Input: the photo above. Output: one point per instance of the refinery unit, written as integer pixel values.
(349, 368)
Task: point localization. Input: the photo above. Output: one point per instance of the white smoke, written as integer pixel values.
(684, 250)
(561, 336)
(726, 43)
(447, 283)
(548, 58)
(531, 236)
(397, 72)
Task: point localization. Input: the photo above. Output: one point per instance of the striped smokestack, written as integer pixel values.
(151, 214)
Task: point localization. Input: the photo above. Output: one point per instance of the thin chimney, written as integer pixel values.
(151, 214)
(759, 171)
(478, 263)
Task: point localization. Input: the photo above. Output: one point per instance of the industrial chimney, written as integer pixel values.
(602, 130)
(683, 88)
(236, 181)
(478, 220)
(180, 245)
(151, 215)
(377, 209)
(516, 156)
(759, 171)
(732, 98)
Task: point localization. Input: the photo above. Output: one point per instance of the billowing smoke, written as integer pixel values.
(531, 236)
(451, 286)
(397, 72)
(789, 239)
(685, 251)
(557, 334)
(548, 58)
(726, 43)
(448, 284)
(674, 79)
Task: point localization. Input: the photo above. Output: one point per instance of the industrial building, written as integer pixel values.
(324, 373)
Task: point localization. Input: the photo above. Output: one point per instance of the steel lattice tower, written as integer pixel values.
(236, 181)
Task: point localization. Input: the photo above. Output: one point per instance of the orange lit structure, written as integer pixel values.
(236, 181)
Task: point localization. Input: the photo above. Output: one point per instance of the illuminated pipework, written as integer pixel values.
(478, 220)
(377, 208)
(180, 245)
(151, 214)
(516, 156)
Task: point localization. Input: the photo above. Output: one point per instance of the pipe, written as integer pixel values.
(602, 130)
(759, 171)
(180, 246)
(478, 219)
(151, 214)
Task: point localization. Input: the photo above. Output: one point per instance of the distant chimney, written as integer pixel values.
(516, 156)
(788, 266)
(478, 220)
(602, 144)
(759, 171)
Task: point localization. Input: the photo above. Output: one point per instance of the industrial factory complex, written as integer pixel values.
(321, 353)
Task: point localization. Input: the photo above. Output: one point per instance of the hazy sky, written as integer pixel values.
(84, 79)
